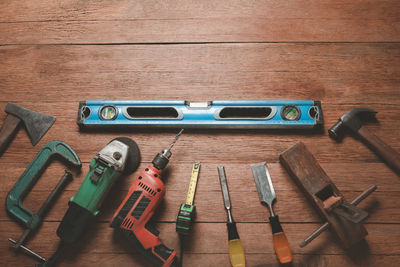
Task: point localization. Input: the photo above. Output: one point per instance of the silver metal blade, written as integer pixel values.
(224, 187)
(263, 181)
(36, 124)
(175, 139)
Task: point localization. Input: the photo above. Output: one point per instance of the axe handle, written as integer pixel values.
(388, 154)
(7, 131)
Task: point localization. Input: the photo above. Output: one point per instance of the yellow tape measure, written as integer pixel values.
(193, 183)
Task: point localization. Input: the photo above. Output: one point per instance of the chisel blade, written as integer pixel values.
(224, 187)
(263, 181)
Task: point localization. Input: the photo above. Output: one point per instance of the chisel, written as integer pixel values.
(236, 252)
(267, 196)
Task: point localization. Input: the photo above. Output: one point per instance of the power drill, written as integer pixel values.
(132, 217)
(120, 157)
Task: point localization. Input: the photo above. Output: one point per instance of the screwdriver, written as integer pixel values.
(236, 252)
(267, 196)
(187, 211)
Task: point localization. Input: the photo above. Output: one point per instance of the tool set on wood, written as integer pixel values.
(121, 157)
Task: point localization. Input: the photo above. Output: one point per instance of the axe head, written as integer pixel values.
(36, 124)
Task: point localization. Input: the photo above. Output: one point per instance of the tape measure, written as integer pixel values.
(186, 213)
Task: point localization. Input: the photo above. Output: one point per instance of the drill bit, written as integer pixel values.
(175, 139)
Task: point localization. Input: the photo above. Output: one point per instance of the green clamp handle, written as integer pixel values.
(54, 149)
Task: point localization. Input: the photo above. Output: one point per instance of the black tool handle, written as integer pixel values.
(232, 231)
(7, 131)
(387, 153)
(65, 179)
(275, 224)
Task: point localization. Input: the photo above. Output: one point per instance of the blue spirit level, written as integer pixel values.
(242, 114)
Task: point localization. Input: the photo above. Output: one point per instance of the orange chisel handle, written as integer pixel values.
(281, 244)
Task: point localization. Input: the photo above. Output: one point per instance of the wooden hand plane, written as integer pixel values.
(343, 217)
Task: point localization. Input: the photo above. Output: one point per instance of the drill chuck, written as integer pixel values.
(161, 160)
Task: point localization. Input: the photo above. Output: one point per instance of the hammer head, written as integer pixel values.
(36, 124)
(350, 120)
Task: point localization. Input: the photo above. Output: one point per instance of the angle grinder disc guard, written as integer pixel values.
(133, 160)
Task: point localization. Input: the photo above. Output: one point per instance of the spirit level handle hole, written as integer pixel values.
(152, 112)
(245, 113)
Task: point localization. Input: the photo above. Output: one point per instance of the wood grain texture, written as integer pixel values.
(333, 73)
(345, 53)
(8, 131)
(193, 21)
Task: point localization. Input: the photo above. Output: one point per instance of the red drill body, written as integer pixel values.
(134, 213)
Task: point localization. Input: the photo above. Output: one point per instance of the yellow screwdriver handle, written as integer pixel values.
(236, 253)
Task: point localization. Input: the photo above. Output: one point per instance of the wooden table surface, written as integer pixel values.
(345, 53)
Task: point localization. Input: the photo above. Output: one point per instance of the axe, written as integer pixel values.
(36, 124)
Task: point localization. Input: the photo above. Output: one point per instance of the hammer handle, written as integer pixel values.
(388, 154)
(7, 131)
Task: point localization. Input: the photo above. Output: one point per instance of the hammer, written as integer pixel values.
(36, 124)
(352, 121)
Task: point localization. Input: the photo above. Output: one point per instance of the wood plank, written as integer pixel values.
(291, 206)
(214, 259)
(260, 260)
(208, 21)
(254, 147)
(119, 10)
(333, 73)
(383, 239)
(54, 78)
(361, 176)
